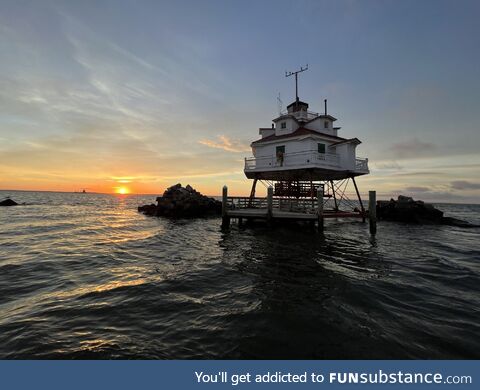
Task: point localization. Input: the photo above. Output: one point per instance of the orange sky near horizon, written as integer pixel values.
(130, 185)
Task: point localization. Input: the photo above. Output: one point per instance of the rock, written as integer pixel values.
(404, 199)
(8, 202)
(405, 209)
(180, 202)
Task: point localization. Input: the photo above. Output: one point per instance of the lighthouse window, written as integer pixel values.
(325, 124)
(283, 125)
(280, 150)
(321, 148)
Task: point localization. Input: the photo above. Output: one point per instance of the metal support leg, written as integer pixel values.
(252, 193)
(359, 199)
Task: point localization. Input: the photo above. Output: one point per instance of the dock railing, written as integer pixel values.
(284, 204)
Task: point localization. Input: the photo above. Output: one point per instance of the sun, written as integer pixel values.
(122, 190)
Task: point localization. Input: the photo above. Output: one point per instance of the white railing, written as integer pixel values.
(361, 164)
(309, 158)
(302, 115)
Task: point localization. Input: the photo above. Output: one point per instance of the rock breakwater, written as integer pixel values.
(182, 202)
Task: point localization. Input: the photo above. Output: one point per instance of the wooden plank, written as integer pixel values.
(342, 215)
(294, 216)
(263, 214)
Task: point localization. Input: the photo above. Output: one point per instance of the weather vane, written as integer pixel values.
(287, 74)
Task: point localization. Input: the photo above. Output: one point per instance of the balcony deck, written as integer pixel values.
(309, 165)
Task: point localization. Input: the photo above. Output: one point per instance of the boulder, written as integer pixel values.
(406, 209)
(405, 199)
(180, 202)
(8, 202)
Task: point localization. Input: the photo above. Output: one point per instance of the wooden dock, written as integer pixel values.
(272, 209)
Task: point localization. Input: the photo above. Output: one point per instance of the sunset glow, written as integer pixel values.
(122, 190)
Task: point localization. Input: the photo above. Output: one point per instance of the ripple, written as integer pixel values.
(86, 276)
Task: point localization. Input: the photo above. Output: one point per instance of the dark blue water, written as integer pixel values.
(86, 276)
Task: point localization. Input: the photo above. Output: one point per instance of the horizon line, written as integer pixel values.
(155, 193)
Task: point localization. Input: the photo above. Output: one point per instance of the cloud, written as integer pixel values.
(100, 111)
(225, 143)
(418, 189)
(392, 165)
(412, 148)
(428, 174)
(464, 185)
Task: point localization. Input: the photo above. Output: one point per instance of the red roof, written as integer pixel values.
(354, 140)
(296, 133)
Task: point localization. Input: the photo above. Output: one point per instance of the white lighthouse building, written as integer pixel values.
(303, 150)
(303, 145)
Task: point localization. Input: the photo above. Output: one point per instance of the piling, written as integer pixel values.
(372, 211)
(269, 203)
(225, 217)
(320, 208)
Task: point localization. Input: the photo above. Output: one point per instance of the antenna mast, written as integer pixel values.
(288, 74)
(279, 104)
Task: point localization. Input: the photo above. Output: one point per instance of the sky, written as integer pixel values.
(139, 95)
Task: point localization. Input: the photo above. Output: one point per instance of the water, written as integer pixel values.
(86, 276)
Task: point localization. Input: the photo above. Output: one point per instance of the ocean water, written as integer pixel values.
(87, 276)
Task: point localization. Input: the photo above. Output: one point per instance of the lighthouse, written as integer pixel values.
(304, 152)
